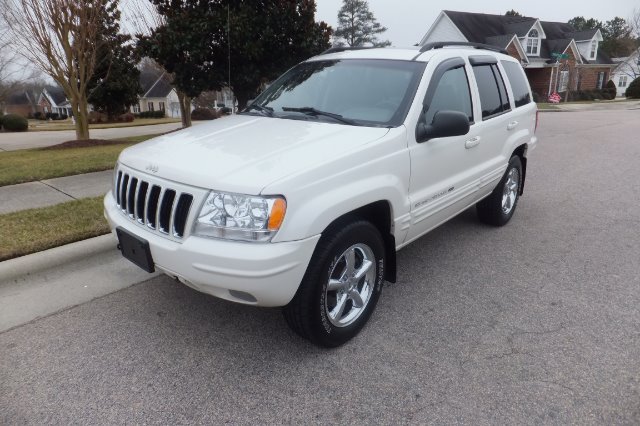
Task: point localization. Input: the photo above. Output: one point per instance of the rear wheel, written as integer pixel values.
(498, 208)
(341, 286)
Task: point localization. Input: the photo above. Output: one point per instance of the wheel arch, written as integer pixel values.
(380, 214)
(521, 152)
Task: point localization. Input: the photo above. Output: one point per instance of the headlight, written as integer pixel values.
(240, 217)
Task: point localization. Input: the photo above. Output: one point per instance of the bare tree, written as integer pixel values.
(61, 38)
(142, 17)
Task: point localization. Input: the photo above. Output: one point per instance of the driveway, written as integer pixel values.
(536, 322)
(15, 141)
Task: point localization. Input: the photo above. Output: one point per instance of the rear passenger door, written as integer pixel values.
(495, 120)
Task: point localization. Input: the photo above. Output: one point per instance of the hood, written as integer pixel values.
(245, 153)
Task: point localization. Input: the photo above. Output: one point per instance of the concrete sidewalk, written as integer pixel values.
(53, 191)
(617, 105)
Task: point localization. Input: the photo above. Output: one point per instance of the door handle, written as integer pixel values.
(472, 142)
(512, 125)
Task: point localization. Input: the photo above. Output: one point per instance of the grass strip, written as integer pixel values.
(30, 165)
(34, 230)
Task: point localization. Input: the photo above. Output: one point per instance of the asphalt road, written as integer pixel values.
(25, 140)
(533, 323)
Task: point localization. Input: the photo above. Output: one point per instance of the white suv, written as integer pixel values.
(303, 200)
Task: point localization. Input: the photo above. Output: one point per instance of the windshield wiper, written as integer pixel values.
(265, 110)
(316, 112)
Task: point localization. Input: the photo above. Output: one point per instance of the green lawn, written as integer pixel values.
(36, 164)
(34, 230)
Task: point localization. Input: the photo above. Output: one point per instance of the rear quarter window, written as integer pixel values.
(519, 84)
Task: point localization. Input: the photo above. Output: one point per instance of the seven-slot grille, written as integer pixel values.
(159, 208)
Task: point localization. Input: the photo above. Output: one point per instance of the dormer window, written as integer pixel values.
(594, 49)
(533, 42)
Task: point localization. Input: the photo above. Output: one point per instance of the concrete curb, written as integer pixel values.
(36, 262)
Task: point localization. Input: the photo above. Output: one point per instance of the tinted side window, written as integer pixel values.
(491, 99)
(502, 88)
(451, 94)
(518, 81)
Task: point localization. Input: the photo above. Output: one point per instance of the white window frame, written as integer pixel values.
(563, 81)
(533, 43)
(136, 108)
(600, 81)
(622, 81)
(161, 106)
(150, 106)
(594, 49)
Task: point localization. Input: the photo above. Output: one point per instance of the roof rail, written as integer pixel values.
(345, 48)
(441, 44)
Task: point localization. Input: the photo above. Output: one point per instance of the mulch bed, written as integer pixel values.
(84, 143)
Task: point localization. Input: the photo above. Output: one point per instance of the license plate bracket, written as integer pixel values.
(135, 250)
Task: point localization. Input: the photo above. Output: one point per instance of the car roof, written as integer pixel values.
(406, 53)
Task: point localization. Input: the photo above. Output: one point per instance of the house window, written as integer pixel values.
(564, 81)
(150, 106)
(533, 42)
(136, 108)
(594, 49)
(600, 80)
(623, 81)
(161, 106)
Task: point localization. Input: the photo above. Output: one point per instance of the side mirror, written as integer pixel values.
(445, 124)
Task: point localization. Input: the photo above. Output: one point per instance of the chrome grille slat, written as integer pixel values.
(172, 215)
(158, 207)
(146, 204)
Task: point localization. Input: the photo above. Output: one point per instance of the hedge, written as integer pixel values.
(633, 91)
(14, 123)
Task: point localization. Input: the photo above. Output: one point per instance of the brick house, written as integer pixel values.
(52, 99)
(536, 44)
(21, 103)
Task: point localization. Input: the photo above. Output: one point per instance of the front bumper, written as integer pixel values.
(263, 274)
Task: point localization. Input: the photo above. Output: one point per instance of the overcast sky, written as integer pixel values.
(408, 20)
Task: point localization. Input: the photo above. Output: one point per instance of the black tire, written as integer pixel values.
(307, 314)
(490, 210)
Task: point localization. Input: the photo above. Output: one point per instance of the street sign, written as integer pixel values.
(560, 55)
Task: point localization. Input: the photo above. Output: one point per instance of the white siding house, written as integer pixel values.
(628, 69)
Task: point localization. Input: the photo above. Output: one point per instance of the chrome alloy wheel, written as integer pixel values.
(350, 286)
(510, 191)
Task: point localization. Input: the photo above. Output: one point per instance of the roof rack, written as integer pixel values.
(345, 48)
(441, 44)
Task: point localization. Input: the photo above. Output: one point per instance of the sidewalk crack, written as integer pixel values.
(59, 190)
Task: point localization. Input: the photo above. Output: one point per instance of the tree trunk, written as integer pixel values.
(185, 108)
(81, 116)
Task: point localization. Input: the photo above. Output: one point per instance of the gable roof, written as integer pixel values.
(498, 30)
(19, 98)
(476, 27)
(582, 35)
(56, 94)
(155, 83)
(500, 40)
(161, 88)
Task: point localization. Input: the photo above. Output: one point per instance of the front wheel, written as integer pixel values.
(341, 286)
(498, 208)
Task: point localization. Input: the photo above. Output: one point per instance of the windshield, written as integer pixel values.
(352, 91)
